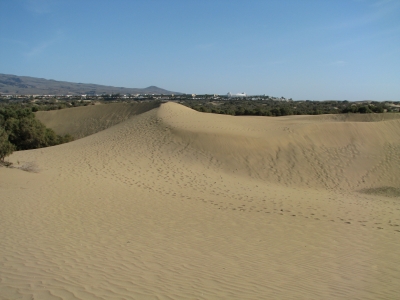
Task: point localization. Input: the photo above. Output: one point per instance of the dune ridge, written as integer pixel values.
(176, 204)
(300, 151)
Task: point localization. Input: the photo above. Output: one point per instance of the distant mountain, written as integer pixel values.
(24, 85)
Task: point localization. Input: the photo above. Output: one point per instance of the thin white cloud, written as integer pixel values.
(6, 41)
(266, 64)
(39, 49)
(337, 63)
(385, 33)
(208, 46)
(43, 46)
(381, 3)
(276, 62)
(381, 9)
(39, 6)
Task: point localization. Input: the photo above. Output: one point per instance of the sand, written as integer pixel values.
(86, 120)
(177, 204)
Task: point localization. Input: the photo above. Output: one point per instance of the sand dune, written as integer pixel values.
(86, 120)
(176, 204)
(296, 151)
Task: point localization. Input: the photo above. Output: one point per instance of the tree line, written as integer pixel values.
(283, 108)
(20, 130)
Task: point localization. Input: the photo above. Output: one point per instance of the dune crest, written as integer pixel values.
(296, 151)
(176, 204)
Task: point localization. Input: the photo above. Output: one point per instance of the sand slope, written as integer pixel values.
(176, 204)
(86, 120)
(296, 151)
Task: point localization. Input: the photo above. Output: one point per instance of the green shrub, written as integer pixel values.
(20, 130)
(6, 148)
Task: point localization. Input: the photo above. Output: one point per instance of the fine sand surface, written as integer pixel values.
(177, 204)
(86, 120)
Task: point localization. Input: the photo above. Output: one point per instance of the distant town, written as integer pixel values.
(230, 104)
(136, 97)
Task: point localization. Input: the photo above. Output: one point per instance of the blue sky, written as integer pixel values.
(300, 49)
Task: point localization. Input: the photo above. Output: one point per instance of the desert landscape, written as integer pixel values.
(169, 203)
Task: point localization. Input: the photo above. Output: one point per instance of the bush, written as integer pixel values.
(20, 130)
(6, 148)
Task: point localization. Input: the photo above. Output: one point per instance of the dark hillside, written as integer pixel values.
(24, 85)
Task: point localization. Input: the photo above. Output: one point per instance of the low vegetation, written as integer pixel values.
(283, 108)
(20, 130)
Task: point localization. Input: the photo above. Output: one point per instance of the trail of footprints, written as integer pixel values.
(208, 186)
(395, 223)
(268, 206)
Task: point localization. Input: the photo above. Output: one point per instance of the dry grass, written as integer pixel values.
(387, 191)
(4, 163)
(29, 167)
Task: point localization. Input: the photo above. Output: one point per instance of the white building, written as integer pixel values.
(230, 95)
